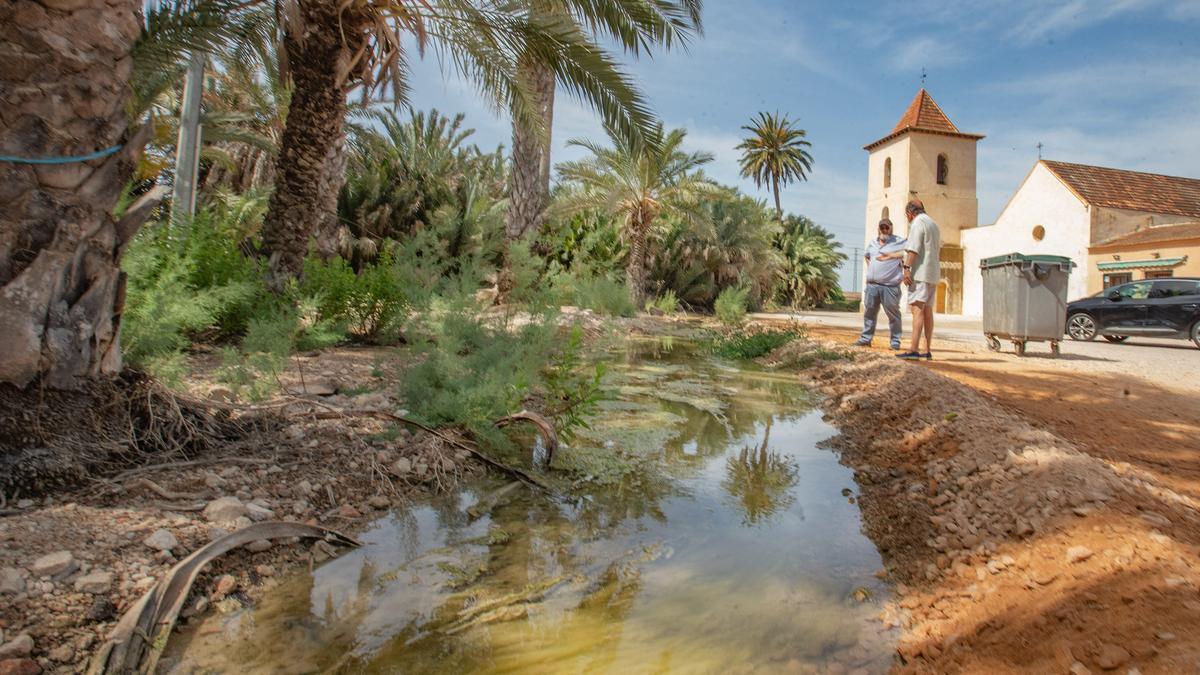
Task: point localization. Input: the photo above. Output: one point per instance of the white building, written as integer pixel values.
(1059, 209)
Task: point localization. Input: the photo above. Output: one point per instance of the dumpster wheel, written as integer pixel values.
(993, 342)
(1019, 345)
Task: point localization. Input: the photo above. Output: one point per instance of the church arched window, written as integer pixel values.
(887, 172)
(943, 169)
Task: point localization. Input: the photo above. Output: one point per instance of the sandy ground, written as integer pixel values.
(1037, 516)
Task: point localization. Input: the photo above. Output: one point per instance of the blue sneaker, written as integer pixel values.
(928, 356)
(895, 346)
(909, 356)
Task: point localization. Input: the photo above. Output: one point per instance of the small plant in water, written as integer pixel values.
(753, 344)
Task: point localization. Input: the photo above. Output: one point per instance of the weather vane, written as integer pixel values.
(1039, 147)
(922, 76)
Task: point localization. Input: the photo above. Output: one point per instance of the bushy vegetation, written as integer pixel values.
(730, 306)
(667, 303)
(753, 344)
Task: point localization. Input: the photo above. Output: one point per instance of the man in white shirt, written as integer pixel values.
(921, 274)
(883, 257)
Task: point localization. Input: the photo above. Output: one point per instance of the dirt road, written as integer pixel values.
(1137, 402)
(1041, 514)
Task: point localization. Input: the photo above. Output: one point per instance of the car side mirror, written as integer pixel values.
(1114, 296)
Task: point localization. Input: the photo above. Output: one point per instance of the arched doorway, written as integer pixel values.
(943, 290)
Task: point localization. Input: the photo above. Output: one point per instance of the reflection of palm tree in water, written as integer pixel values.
(760, 481)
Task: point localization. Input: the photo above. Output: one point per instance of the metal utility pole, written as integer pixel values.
(187, 149)
(854, 280)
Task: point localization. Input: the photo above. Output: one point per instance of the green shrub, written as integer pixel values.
(751, 345)
(667, 303)
(730, 307)
(164, 305)
(478, 366)
(605, 296)
(370, 304)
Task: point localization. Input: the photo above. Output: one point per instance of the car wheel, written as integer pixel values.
(1081, 327)
(1116, 338)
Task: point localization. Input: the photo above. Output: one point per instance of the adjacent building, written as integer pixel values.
(1117, 225)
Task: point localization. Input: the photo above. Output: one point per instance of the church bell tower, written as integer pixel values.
(927, 157)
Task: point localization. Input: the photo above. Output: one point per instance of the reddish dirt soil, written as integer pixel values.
(1099, 571)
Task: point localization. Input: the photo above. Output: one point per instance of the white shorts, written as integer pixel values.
(921, 292)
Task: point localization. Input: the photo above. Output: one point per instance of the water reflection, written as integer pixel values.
(706, 532)
(760, 481)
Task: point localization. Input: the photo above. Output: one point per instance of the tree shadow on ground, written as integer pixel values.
(1119, 418)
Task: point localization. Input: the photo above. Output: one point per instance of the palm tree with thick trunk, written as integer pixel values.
(70, 141)
(334, 47)
(775, 154)
(637, 182)
(637, 26)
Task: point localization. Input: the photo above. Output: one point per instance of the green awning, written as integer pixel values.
(1140, 264)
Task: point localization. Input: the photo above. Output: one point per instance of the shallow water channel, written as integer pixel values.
(707, 531)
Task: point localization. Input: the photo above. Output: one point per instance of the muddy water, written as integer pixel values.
(707, 531)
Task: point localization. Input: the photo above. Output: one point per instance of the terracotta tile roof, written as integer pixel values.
(923, 114)
(1156, 234)
(1132, 190)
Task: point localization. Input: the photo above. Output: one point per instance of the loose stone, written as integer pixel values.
(53, 564)
(161, 540)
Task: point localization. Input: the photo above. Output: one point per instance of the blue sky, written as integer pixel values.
(1107, 82)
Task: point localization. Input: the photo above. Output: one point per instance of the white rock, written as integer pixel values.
(1078, 554)
(161, 540)
(51, 564)
(224, 510)
(11, 580)
(258, 512)
(402, 466)
(18, 647)
(94, 582)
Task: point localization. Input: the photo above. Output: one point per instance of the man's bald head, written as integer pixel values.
(913, 209)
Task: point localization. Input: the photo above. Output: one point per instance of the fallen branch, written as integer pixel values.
(194, 462)
(543, 425)
(137, 641)
(519, 474)
(165, 493)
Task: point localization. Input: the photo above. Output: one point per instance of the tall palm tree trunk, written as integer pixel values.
(66, 87)
(315, 119)
(635, 267)
(529, 179)
(333, 174)
(778, 208)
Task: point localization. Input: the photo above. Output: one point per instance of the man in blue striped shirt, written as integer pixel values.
(884, 257)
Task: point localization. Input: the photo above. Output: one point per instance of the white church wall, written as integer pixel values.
(894, 196)
(1042, 202)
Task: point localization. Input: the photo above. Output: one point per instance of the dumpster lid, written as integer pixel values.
(1019, 258)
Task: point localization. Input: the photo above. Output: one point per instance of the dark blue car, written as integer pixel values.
(1161, 308)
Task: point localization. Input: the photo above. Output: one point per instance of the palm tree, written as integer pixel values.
(636, 25)
(637, 183)
(810, 261)
(775, 154)
(61, 288)
(335, 47)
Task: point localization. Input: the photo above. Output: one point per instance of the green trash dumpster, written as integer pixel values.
(1025, 299)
